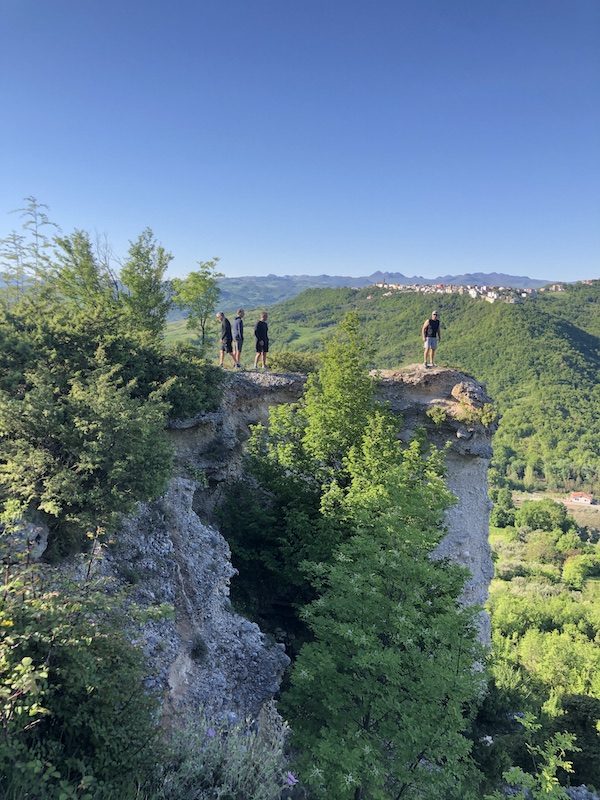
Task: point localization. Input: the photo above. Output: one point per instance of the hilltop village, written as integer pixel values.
(505, 294)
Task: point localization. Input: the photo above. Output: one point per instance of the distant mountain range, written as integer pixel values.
(253, 291)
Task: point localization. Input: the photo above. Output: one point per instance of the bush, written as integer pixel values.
(70, 729)
(194, 385)
(287, 361)
(502, 517)
(81, 454)
(212, 760)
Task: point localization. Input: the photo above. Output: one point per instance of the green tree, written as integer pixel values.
(198, 294)
(25, 257)
(80, 281)
(145, 297)
(38, 245)
(378, 698)
(272, 528)
(544, 515)
(547, 759)
(339, 397)
(83, 454)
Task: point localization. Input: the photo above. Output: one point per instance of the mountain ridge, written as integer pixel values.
(252, 291)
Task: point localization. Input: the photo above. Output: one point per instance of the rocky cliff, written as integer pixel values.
(208, 656)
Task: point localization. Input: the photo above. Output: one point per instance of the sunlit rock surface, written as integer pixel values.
(210, 657)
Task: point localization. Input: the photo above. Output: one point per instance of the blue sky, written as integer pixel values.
(427, 137)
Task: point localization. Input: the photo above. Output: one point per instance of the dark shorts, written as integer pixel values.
(237, 345)
(226, 347)
(262, 348)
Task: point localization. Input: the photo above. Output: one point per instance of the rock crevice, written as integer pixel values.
(210, 657)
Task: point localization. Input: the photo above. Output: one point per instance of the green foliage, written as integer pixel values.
(211, 760)
(198, 295)
(546, 629)
(578, 568)
(540, 360)
(190, 384)
(437, 415)
(288, 361)
(276, 526)
(25, 256)
(79, 281)
(339, 397)
(143, 275)
(84, 453)
(85, 386)
(580, 717)
(69, 729)
(547, 760)
(378, 698)
(502, 517)
(544, 515)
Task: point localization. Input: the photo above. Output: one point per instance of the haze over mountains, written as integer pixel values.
(252, 291)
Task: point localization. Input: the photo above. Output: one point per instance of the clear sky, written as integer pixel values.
(427, 137)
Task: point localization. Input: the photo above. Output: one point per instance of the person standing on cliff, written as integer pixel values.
(431, 336)
(226, 338)
(238, 336)
(261, 332)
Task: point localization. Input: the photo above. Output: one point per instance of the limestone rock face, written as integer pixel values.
(210, 657)
(421, 396)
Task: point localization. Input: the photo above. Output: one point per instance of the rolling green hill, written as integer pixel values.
(540, 360)
(253, 291)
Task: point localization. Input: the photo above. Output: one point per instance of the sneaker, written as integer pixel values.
(255, 367)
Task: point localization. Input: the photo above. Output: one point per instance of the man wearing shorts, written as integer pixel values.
(261, 331)
(238, 336)
(226, 338)
(431, 336)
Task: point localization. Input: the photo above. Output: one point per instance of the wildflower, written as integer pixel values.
(291, 779)
(211, 733)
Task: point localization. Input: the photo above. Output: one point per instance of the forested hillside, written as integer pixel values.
(253, 291)
(540, 360)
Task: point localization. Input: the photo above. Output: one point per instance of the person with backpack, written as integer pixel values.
(431, 337)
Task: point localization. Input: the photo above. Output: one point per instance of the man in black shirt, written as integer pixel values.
(431, 336)
(226, 338)
(261, 331)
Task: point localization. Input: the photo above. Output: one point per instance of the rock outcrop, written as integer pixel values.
(210, 657)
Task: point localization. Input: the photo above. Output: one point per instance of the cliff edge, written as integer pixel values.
(207, 656)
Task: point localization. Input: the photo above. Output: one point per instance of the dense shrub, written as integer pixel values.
(78, 719)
